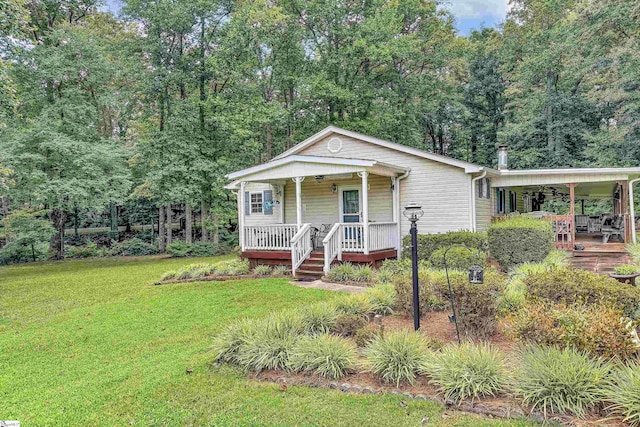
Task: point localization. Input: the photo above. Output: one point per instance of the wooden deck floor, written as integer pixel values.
(597, 256)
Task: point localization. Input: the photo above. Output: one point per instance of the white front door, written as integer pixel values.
(349, 204)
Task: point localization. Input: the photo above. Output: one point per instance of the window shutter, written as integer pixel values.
(479, 188)
(247, 203)
(267, 198)
(487, 186)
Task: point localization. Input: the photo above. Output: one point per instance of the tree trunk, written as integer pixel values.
(161, 242)
(114, 222)
(216, 234)
(168, 224)
(188, 223)
(204, 212)
(75, 225)
(268, 148)
(58, 218)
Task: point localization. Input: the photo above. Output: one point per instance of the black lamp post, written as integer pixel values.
(476, 277)
(413, 212)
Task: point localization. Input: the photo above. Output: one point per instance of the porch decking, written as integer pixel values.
(598, 257)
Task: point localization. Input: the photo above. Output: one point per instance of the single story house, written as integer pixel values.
(339, 195)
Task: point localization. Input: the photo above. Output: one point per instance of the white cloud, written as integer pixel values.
(477, 8)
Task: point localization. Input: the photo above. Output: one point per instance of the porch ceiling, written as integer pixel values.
(295, 166)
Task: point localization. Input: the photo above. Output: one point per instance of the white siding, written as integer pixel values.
(261, 218)
(320, 204)
(484, 212)
(442, 190)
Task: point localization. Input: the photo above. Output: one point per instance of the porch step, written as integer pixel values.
(308, 274)
(602, 262)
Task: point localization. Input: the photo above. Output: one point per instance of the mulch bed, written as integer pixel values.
(220, 278)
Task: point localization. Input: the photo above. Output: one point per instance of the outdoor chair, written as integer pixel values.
(614, 228)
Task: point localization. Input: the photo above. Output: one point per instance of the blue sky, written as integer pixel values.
(470, 14)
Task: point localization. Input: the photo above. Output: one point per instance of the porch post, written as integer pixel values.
(632, 210)
(365, 210)
(298, 180)
(241, 203)
(395, 182)
(572, 211)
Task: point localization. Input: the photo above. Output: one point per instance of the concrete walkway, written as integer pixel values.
(319, 284)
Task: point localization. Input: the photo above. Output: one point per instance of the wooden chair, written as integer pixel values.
(615, 228)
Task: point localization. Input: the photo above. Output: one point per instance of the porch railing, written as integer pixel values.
(562, 230)
(352, 237)
(301, 247)
(382, 235)
(332, 246)
(273, 237)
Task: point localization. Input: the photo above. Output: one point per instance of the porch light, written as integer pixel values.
(334, 188)
(319, 178)
(413, 212)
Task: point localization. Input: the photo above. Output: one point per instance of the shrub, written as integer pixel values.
(429, 243)
(342, 272)
(347, 325)
(584, 287)
(396, 357)
(28, 235)
(179, 249)
(202, 249)
(262, 270)
(383, 277)
(623, 393)
(634, 250)
(364, 336)
(280, 270)
(363, 274)
(598, 330)
(234, 267)
(429, 299)
(520, 239)
(358, 305)
(560, 381)
(476, 304)
(627, 270)
(90, 250)
(133, 247)
(227, 344)
(467, 371)
(318, 318)
(271, 344)
(325, 355)
(458, 258)
(382, 298)
(556, 259)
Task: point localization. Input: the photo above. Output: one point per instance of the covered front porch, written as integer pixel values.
(309, 212)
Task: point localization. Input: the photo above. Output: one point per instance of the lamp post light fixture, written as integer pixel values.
(476, 277)
(413, 212)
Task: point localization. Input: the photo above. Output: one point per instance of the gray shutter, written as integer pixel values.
(267, 198)
(247, 203)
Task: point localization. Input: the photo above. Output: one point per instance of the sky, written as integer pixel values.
(470, 14)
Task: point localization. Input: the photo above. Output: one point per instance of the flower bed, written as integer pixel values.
(224, 270)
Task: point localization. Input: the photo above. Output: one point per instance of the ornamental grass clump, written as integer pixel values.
(280, 270)
(342, 273)
(318, 318)
(623, 393)
(382, 299)
(325, 355)
(362, 274)
(262, 270)
(396, 357)
(227, 344)
(358, 305)
(271, 344)
(467, 371)
(560, 381)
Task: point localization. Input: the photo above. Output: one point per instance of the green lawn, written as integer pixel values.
(91, 343)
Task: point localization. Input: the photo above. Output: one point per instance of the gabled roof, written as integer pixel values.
(468, 167)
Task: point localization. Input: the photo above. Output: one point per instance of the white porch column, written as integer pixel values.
(241, 203)
(395, 201)
(632, 210)
(365, 210)
(298, 180)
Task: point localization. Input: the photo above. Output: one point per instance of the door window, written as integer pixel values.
(351, 206)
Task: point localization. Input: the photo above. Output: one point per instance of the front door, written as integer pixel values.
(350, 205)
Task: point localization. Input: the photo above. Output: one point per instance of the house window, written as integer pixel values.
(501, 201)
(483, 188)
(256, 203)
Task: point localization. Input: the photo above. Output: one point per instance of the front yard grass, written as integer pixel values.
(91, 343)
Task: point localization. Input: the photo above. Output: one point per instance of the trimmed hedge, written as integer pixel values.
(458, 258)
(429, 243)
(519, 240)
(584, 287)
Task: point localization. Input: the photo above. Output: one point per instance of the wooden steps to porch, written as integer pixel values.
(599, 257)
(312, 267)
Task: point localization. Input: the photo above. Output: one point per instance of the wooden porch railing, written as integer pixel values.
(275, 237)
(332, 246)
(301, 247)
(382, 235)
(563, 230)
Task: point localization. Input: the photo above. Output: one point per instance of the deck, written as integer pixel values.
(597, 256)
